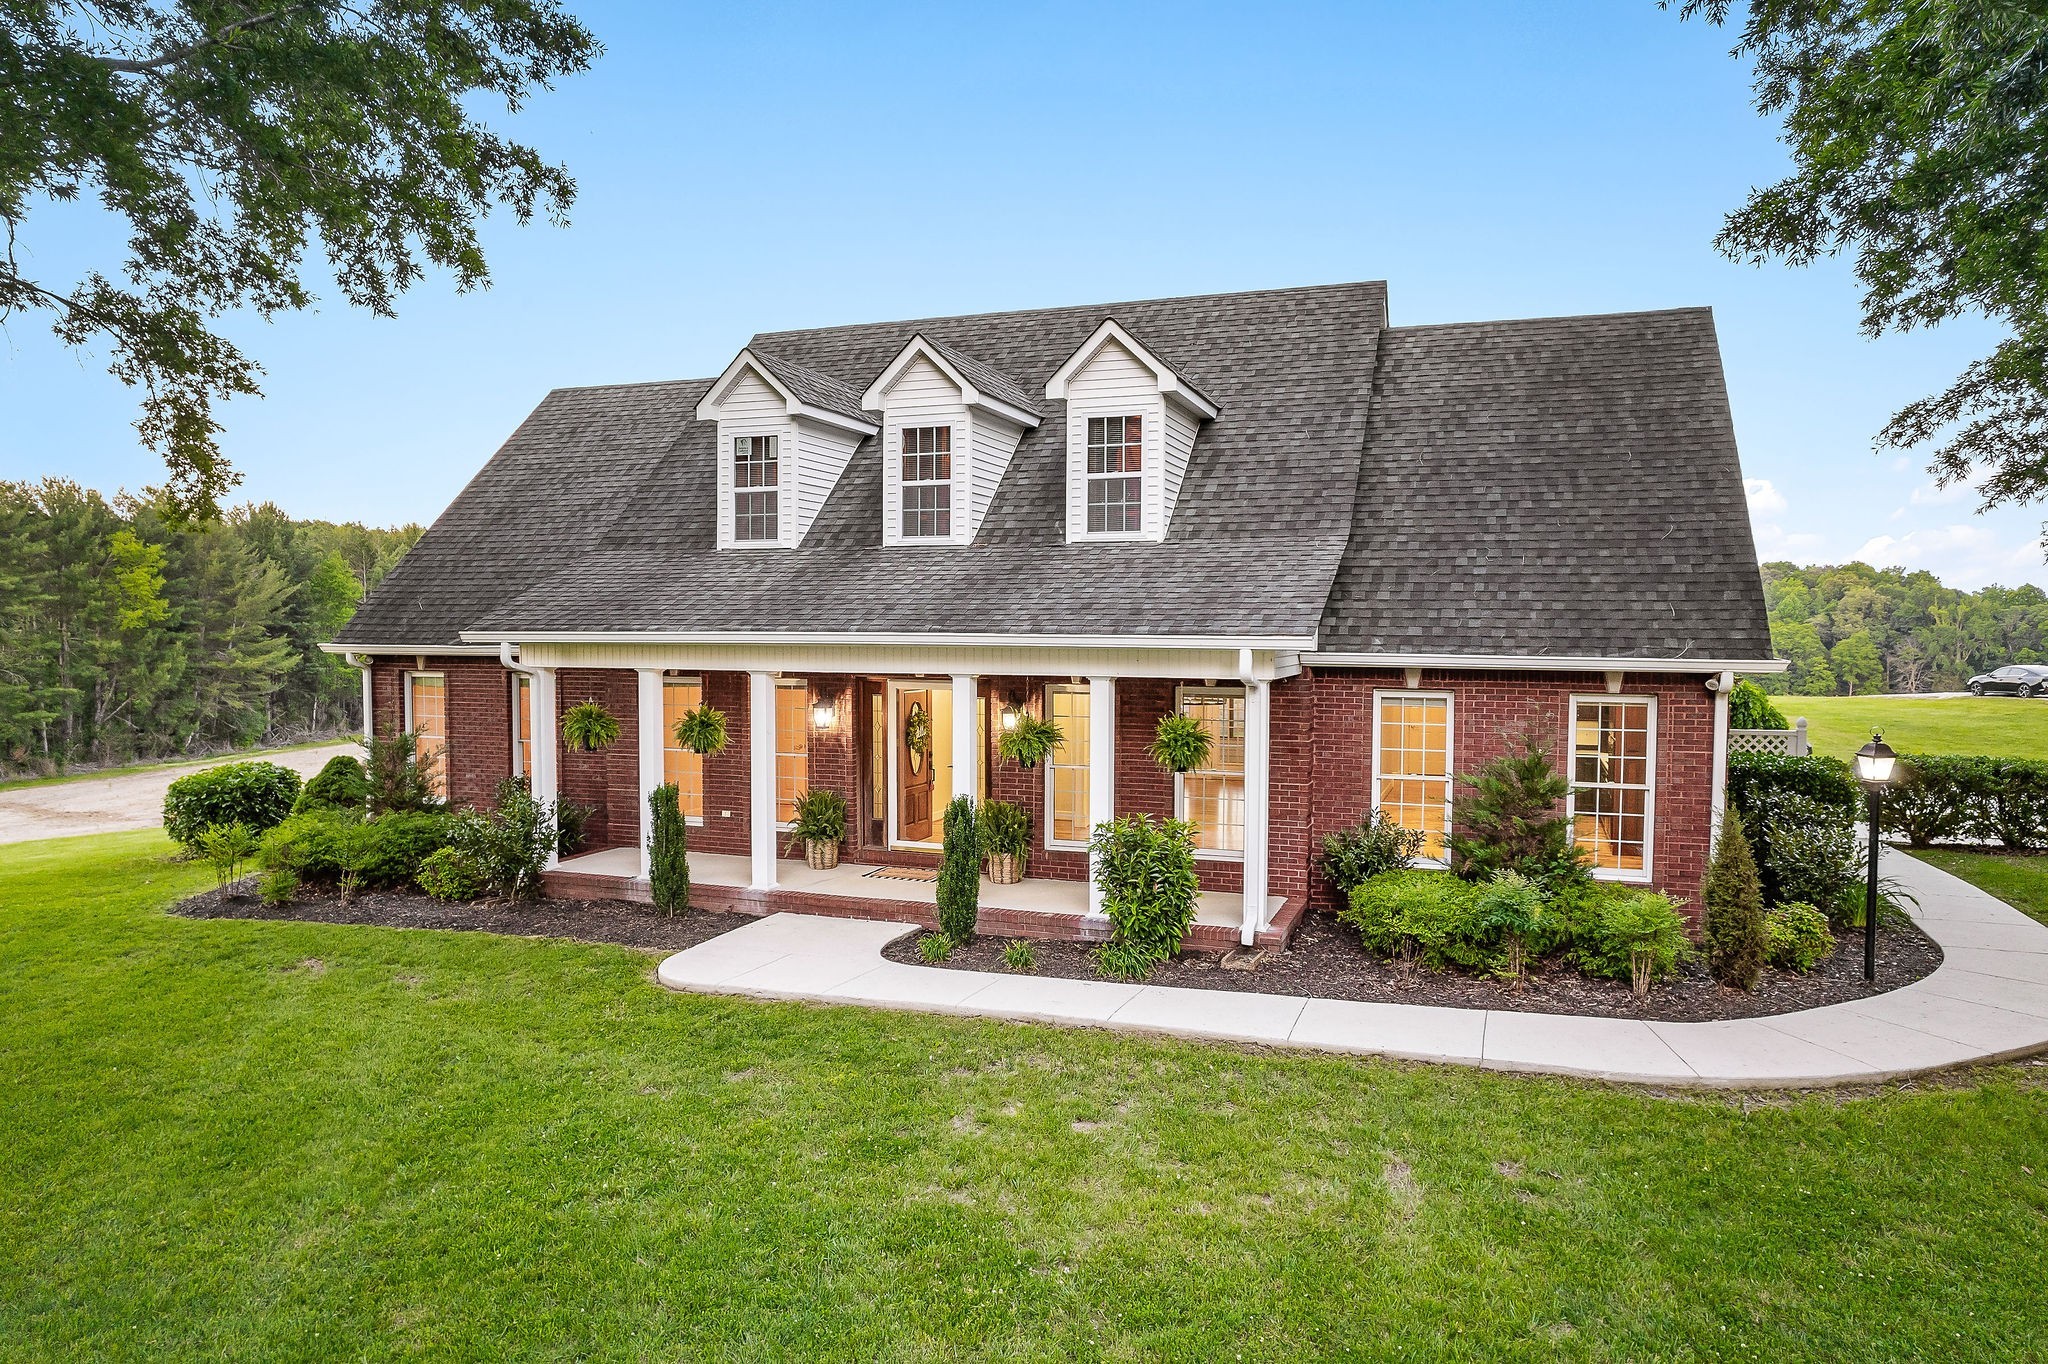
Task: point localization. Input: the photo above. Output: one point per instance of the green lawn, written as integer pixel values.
(2021, 882)
(1998, 726)
(247, 755)
(225, 1140)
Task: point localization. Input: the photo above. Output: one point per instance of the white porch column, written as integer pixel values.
(761, 802)
(363, 662)
(543, 779)
(651, 745)
(966, 736)
(1718, 803)
(1101, 771)
(1258, 781)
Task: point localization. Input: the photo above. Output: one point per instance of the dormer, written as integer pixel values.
(950, 425)
(785, 434)
(1131, 425)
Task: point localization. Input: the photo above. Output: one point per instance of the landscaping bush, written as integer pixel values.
(508, 845)
(340, 785)
(1427, 912)
(1146, 872)
(1632, 935)
(399, 843)
(668, 851)
(278, 888)
(1509, 911)
(1750, 707)
(448, 874)
(1514, 819)
(1753, 778)
(256, 795)
(1734, 909)
(2017, 812)
(1811, 854)
(1936, 796)
(959, 892)
(326, 845)
(1019, 955)
(1372, 847)
(226, 847)
(395, 775)
(572, 821)
(934, 948)
(1796, 937)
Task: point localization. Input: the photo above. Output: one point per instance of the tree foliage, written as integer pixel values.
(124, 636)
(1733, 904)
(232, 138)
(1918, 146)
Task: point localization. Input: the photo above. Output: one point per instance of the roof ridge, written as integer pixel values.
(1682, 311)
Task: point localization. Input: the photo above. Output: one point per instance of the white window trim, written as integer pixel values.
(668, 735)
(1450, 701)
(447, 777)
(784, 436)
(802, 684)
(1151, 468)
(952, 483)
(1571, 800)
(1180, 798)
(1064, 844)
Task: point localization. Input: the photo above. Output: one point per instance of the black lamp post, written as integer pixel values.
(1874, 764)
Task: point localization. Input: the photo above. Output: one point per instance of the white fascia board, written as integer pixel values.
(1542, 663)
(1170, 383)
(876, 398)
(1262, 642)
(836, 419)
(469, 650)
(712, 407)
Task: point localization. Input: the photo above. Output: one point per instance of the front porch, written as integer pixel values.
(1036, 907)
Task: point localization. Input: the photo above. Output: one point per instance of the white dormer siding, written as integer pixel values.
(1111, 380)
(810, 448)
(953, 426)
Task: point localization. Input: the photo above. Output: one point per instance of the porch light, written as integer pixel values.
(1010, 717)
(1874, 764)
(822, 714)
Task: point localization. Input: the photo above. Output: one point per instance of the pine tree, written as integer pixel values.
(668, 851)
(1514, 819)
(960, 872)
(1734, 907)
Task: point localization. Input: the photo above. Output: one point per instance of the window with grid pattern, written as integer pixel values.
(1116, 481)
(426, 715)
(1612, 774)
(681, 766)
(1212, 795)
(1412, 772)
(1066, 769)
(522, 726)
(792, 746)
(927, 489)
(756, 477)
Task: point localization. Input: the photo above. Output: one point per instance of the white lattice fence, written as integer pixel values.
(1791, 742)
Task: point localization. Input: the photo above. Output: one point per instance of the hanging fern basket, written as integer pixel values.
(702, 731)
(589, 727)
(1030, 741)
(1180, 744)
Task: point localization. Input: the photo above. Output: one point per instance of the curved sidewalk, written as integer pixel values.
(1987, 1000)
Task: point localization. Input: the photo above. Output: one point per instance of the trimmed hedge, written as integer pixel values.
(256, 795)
(1984, 800)
(341, 785)
(396, 845)
(1800, 815)
(1754, 777)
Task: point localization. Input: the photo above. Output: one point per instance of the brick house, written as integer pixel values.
(1365, 557)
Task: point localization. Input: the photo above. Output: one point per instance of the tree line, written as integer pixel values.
(125, 634)
(1850, 629)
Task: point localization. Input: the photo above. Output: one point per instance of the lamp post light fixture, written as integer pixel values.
(1875, 763)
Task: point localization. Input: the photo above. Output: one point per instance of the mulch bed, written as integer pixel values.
(1327, 961)
(622, 922)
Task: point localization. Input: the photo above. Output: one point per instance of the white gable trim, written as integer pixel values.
(712, 407)
(875, 399)
(1171, 385)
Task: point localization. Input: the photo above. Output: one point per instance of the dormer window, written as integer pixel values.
(1116, 474)
(927, 456)
(756, 482)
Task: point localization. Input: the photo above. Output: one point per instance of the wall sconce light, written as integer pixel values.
(822, 714)
(1010, 717)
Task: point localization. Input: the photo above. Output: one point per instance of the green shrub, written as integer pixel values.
(340, 785)
(934, 948)
(1796, 937)
(668, 851)
(572, 823)
(1005, 829)
(325, 845)
(1733, 906)
(1372, 847)
(226, 847)
(305, 844)
(820, 817)
(1752, 777)
(447, 874)
(1811, 854)
(1750, 707)
(257, 795)
(1509, 911)
(2017, 813)
(1634, 935)
(1019, 955)
(1125, 961)
(959, 892)
(278, 888)
(397, 777)
(508, 845)
(1936, 796)
(1514, 818)
(1430, 913)
(1146, 872)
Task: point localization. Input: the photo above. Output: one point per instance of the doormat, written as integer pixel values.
(905, 873)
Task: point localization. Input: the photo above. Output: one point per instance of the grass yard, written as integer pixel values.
(2021, 881)
(1996, 726)
(224, 1140)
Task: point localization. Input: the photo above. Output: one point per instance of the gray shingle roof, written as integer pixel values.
(812, 388)
(990, 380)
(1520, 493)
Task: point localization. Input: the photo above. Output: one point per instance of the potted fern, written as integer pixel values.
(1005, 840)
(819, 825)
(1180, 744)
(702, 730)
(589, 726)
(1030, 741)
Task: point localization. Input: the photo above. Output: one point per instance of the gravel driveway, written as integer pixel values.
(104, 805)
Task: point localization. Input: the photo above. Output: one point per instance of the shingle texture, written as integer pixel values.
(991, 381)
(812, 388)
(1560, 487)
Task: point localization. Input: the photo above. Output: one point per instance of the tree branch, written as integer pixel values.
(171, 56)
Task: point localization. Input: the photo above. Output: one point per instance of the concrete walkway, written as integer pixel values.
(1988, 1000)
(135, 800)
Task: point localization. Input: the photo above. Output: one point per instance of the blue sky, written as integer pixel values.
(749, 167)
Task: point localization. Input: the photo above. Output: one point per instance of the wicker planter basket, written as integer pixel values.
(820, 855)
(1005, 869)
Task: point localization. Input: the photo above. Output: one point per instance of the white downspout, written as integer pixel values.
(1258, 786)
(1723, 684)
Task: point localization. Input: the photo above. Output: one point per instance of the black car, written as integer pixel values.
(2019, 679)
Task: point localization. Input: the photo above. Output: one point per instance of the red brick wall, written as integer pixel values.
(608, 780)
(479, 719)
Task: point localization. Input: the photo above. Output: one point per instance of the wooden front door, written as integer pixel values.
(914, 768)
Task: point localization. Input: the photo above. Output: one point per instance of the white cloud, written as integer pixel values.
(1764, 499)
(1961, 555)
(1933, 495)
(1774, 542)
(1901, 464)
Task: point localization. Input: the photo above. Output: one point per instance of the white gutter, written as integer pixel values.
(1546, 663)
(1273, 642)
(506, 650)
(447, 650)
